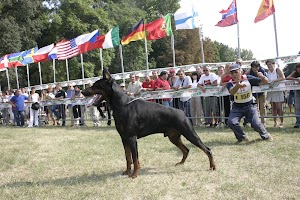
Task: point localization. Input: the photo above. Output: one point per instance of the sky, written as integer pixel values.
(258, 37)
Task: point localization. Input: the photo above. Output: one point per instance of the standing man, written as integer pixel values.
(241, 88)
(184, 82)
(18, 102)
(133, 87)
(172, 79)
(210, 104)
(70, 93)
(163, 84)
(60, 110)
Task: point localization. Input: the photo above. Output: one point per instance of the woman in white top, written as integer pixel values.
(275, 98)
(34, 119)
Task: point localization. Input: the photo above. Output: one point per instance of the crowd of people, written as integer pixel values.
(202, 111)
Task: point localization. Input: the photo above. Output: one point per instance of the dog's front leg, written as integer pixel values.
(128, 157)
(134, 153)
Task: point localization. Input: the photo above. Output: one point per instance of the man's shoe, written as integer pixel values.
(268, 138)
(245, 141)
(296, 126)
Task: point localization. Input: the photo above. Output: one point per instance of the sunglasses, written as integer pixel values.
(255, 67)
(205, 70)
(234, 72)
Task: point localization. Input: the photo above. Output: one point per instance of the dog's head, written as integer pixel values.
(102, 86)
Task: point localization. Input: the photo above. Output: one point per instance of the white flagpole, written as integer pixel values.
(67, 68)
(54, 71)
(146, 52)
(82, 69)
(201, 43)
(40, 72)
(122, 65)
(173, 49)
(238, 37)
(101, 60)
(7, 77)
(17, 77)
(275, 31)
(28, 81)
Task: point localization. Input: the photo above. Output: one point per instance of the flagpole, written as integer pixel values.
(40, 72)
(82, 69)
(275, 31)
(28, 81)
(201, 43)
(54, 71)
(17, 77)
(146, 52)
(67, 68)
(7, 77)
(101, 60)
(122, 65)
(173, 49)
(238, 37)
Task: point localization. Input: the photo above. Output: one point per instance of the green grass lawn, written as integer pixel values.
(86, 163)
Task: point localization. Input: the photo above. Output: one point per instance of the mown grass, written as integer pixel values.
(86, 163)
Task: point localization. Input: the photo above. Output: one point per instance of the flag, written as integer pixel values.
(229, 16)
(137, 32)
(42, 54)
(64, 49)
(186, 18)
(86, 42)
(15, 59)
(27, 56)
(110, 40)
(3, 62)
(266, 9)
(159, 28)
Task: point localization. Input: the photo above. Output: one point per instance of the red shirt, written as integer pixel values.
(149, 84)
(162, 84)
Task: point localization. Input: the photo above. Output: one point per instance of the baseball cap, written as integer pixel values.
(235, 67)
(172, 71)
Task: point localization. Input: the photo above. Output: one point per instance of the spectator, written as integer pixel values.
(172, 79)
(60, 110)
(155, 78)
(133, 86)
(70, 94)
(199, 71)
(163, 84)
(45, 108)
(34, 118)
(18, 103)
(148, 85)
(5, 111)
(196, 105)
(210, 103)
(260, 97)
(137, 79)
(275, 98)
(295, 75)
(50, 96)
(77, 109)
(225, 78)
(241, 88)
(291, 99)
(219, 74)
(92, 110)
(184, 82)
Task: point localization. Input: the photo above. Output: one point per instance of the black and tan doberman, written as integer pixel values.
(136, 118)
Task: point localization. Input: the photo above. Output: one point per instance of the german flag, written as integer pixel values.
(137, 32)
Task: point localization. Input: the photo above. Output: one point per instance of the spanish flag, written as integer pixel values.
(137, 32)
(266, 9)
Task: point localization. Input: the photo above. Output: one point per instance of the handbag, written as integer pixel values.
(35, 106)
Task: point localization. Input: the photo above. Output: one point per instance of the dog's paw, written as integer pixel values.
(127, 172)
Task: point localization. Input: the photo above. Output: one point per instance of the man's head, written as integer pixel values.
(155, 74)
(172, 72)
(57, 87)
(132, 78)
(239, 61)
(19, 92)
(147, 79)
(76, 88)
(221, 70)
(69, 86)
(235, 71)
(163, 75)
(181, 74)
(206, 70)
(199, 70)
(50, 88)
(255, 65)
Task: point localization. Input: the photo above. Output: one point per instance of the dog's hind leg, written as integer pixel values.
(134, 153)
(174, 137)
(128, 157)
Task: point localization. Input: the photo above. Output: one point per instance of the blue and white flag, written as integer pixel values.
(186, 18)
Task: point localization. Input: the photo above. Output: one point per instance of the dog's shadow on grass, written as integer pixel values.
(83, 179)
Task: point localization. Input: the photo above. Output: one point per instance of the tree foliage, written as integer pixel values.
(26, 24)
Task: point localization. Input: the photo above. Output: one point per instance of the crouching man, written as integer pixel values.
(240, 86)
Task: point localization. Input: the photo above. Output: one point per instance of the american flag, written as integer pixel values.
(66, 49)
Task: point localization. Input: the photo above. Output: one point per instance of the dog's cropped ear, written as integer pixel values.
(106, 74)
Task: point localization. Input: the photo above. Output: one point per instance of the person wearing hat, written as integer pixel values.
(240, 87)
